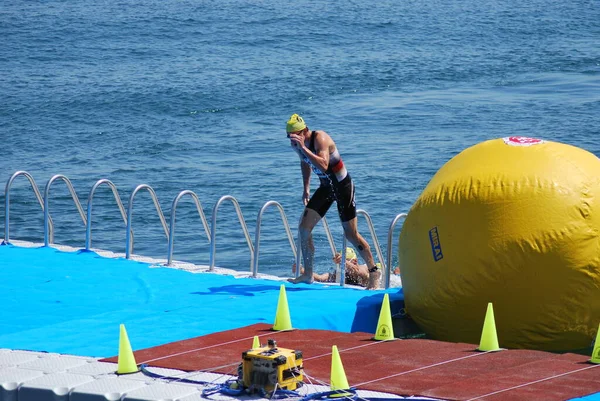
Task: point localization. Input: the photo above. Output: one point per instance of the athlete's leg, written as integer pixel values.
(347, 212)
(316, 208)
(354, 237)
(322, 278)
(309, 220)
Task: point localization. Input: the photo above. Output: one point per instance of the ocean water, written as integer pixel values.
(195, 94)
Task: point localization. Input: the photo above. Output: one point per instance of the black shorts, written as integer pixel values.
(342, 194)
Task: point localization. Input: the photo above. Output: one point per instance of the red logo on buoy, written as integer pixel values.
(521, 141)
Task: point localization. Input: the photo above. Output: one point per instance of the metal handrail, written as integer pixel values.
(342, 270)
(388, 272)
(128, 245)
(88, 228)
(375, 240)
(38, 195)
(257, 235)
(375, 243)
(329, 236)
(172, 223)
(298, 254)
(47, 204)
(213, 231)
(170, 230)
(330, 239)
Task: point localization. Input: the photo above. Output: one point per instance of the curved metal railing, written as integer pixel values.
(213, 232)
(38, 195)
(388, 272)
(47, 204)
(257, 235)
(374, 236)
(329, 236)
(88, 228)
(128, 244)
(342, 276)
(172, 223)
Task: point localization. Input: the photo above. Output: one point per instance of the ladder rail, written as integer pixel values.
(210, 232)
(388, 272)
(342, 270)
(38, 195)
(115, 192)
(47, 241)
(193, 195)
(329, 239)
(342, 277)
(128, 244)
(213, 232)
(257, 235)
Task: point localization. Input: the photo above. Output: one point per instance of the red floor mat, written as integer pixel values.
(453, 371)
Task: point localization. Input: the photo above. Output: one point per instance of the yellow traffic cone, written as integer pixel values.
(489, 337)
(282, 317)
(596, 350)
(255, 343)
(385, 330)
(126, 360)
(338, 375)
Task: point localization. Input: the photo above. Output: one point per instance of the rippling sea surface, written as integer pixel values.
(194, 95)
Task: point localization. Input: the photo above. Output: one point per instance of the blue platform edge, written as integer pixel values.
(73, 303)
(591, 397)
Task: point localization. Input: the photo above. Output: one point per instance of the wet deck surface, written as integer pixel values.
(453, 371)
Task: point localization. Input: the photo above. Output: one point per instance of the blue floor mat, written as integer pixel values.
(73, 303)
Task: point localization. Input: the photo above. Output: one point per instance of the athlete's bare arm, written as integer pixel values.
(320, 158)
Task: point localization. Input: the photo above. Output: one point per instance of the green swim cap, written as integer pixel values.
(350, 254)
(295, 123)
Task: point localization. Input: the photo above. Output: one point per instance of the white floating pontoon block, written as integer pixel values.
(52, 387)
(215, 397)
(109, 389)
(10, 358)
(12, 378)
(95, 368)
(161, 391)
(54, 363)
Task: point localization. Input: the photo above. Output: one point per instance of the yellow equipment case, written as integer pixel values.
(266, 367)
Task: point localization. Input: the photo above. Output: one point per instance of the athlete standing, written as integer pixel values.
(318, 153)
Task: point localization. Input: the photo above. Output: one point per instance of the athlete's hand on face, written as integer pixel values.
(297, 141)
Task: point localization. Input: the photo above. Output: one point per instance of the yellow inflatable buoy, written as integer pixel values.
(513, 221)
